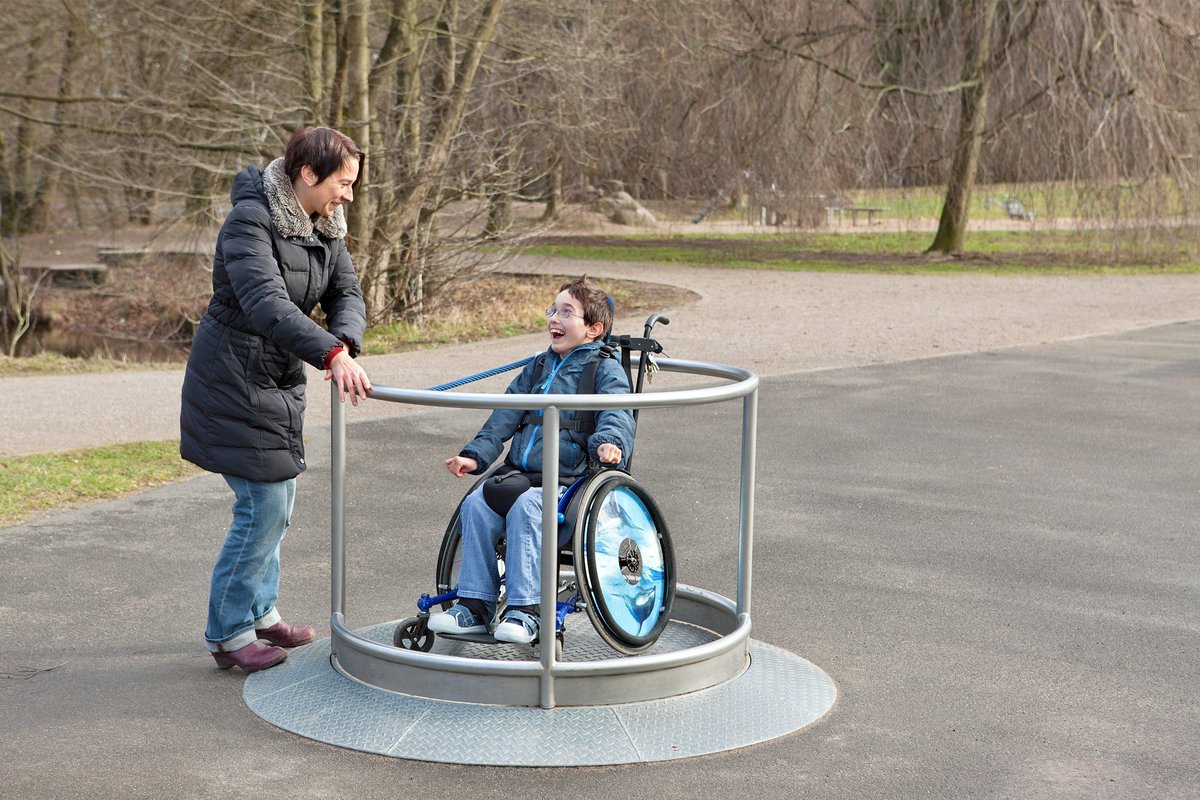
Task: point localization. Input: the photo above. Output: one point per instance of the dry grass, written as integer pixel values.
(497, 306)
(488, 307)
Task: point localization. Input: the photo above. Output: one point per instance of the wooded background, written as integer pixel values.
(117, 112)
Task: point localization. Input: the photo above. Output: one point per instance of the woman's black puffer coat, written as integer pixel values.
(243, 392)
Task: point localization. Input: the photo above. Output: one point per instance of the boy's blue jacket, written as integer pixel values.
(612, 426)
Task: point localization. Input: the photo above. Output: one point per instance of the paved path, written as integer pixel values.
(772, 322)
(992, 554)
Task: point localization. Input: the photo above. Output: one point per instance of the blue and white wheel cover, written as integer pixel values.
(629, 562)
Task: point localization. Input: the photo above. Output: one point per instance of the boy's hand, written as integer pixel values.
(461, 465)
(608, 453)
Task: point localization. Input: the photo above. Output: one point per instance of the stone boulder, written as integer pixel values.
(621, 208)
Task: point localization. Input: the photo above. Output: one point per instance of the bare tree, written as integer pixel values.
(141, 109)
(1095, 92)
(20, 291)
(980, 68)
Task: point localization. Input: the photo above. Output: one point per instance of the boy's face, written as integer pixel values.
(567, 334)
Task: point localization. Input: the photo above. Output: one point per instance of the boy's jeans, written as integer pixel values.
(245, 581)
(482, 528)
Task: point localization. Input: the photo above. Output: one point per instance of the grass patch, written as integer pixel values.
(1134, 201)
(29, 484)
(1158, 197)
(998, 252)
(47, 363)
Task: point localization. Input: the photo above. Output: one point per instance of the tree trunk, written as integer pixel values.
(554, 196)
(39, 213)
(16, 315)
(14, 206)
(358, 127)
(952, 226)
(427, 153)
(449, 119)
(331, 46)
(314, 62)
(447, 45)
(341, 64)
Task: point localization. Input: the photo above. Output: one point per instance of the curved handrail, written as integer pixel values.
(744, 385)
(746, 382)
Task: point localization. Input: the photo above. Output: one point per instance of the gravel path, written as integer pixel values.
(766, 321)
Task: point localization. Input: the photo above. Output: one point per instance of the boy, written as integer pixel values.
(577, 323)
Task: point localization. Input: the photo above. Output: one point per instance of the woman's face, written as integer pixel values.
(324, 197)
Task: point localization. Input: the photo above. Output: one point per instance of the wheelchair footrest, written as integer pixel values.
(476, 638)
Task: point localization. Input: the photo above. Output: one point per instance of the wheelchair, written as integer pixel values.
(615, 560)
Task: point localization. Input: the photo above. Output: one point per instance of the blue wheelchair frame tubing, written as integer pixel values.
(426, 603)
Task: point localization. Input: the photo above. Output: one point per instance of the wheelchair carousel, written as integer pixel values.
(653, 670)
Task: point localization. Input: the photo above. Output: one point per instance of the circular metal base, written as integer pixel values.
(776, 694)
(704, 644)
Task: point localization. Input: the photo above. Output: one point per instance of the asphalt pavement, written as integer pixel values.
(993, 555)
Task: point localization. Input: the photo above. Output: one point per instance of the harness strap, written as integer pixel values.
(580, 425)
(583, 424)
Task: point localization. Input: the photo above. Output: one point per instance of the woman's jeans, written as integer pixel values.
(482, 528)
(245, 581)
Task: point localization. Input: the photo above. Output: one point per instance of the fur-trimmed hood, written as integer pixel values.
(286, 212)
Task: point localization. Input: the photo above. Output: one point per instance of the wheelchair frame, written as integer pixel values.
(584, 589)
(547, 682)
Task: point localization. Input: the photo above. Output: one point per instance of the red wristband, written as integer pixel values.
(332, 354)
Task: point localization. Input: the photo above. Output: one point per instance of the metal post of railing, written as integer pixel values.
(746, 502)
(549, 593)
(423, 673)
(337, 505)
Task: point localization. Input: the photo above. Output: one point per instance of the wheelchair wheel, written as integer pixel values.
(449, 560)
(623, 561)
(449, 563)
(413, 634)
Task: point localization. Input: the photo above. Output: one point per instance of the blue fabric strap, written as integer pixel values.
(480, 375)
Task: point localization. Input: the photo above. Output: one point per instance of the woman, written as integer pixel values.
(279, 254)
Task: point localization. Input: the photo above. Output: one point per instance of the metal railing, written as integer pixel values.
(370, 660)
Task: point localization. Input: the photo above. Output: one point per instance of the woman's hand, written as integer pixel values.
(350, 377)
(461, 465)
(608, 453)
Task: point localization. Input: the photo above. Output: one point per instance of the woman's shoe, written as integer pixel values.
(282, 634)
(251, 658)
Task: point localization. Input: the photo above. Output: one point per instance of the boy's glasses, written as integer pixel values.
(564, 314)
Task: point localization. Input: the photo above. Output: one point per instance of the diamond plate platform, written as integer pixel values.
(776, 694)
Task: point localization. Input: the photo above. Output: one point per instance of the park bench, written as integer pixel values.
(837, 212)
(79, 274)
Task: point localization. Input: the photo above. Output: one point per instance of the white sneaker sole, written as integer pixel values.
(444, 623)
(512, 633)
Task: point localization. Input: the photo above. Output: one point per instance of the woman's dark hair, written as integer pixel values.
(323, 149)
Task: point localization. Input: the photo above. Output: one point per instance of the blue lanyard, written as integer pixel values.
(543, 389)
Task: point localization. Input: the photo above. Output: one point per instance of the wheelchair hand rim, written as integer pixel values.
(626, 568)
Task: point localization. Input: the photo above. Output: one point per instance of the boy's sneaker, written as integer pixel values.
(461, 618)
(519, 626)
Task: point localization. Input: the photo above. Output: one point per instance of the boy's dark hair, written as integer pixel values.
(323, 149)
(593, 299)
